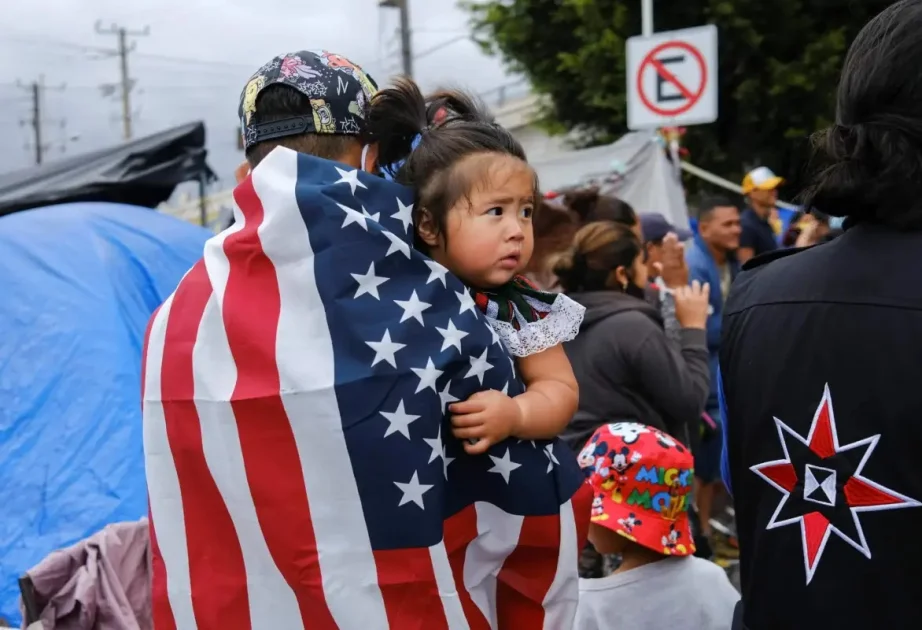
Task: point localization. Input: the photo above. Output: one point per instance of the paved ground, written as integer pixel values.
(725, 545)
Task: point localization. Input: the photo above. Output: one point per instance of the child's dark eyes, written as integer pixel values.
(525, 213)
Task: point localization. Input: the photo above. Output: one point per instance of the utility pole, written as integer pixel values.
(126, 81)
(406, 41)
(37, 91)
(37, 119)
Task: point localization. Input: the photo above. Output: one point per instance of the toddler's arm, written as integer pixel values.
(551, 394)
(549, 401)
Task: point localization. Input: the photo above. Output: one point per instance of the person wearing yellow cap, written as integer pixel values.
(760, 186)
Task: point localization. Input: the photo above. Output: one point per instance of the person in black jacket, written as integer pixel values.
(820, 369)
(626, 367)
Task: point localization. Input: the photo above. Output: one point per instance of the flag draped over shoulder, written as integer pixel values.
(301, 470)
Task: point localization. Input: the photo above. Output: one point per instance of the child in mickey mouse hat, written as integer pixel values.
(642, 480)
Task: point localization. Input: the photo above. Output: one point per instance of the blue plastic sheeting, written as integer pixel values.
(78, 284)
(786, 217)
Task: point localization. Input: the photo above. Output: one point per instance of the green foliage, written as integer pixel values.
(779, 65)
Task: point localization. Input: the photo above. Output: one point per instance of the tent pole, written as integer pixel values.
(203, 208)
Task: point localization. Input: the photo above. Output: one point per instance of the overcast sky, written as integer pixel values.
(196, 59)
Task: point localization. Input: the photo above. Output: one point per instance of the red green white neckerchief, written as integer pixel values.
(517, 302)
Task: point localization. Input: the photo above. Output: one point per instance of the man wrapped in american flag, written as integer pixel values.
(300, 465)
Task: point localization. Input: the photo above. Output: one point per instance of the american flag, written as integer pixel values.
(300, 465)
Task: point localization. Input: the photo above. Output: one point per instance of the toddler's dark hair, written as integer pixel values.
(400, 113)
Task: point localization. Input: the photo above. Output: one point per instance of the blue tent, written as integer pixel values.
(78, 283)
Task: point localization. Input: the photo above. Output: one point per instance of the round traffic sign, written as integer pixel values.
(692, 96)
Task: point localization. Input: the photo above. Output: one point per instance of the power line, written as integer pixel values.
(43, 41)
(127, 83)
(432, 49)
(439, 47)
(192, 60)
(109, 89)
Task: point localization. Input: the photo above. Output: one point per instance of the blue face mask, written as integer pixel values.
(835, 223)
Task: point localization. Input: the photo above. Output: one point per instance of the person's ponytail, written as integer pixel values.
(868, 166)
(582, 201)
(868, 172)
(457, 105)
(396, 116)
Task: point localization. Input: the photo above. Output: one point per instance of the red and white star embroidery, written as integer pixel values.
(821, 487)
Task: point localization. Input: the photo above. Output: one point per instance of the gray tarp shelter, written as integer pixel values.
(646, 178)
(143, 172)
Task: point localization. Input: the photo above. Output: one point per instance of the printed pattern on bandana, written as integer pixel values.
(822, 486)
(518, 302)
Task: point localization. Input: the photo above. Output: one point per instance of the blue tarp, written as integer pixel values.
(78, 283)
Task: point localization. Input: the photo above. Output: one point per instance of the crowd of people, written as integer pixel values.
(669, 361)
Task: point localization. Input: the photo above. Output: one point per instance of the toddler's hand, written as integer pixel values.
(485, 419)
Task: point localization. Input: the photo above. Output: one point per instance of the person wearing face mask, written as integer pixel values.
(286, 485)
(626, 367)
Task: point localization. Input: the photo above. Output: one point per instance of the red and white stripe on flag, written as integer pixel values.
(245, 533)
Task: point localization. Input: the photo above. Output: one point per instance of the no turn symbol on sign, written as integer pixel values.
(672, 78)
(673, 95)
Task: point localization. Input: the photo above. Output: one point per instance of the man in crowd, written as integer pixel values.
(655, 227)
(760, 186)
(711, 258)
(666, 268)
(277, 499)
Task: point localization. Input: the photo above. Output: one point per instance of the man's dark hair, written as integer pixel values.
(278, 102)
(869, 164)
(709, 204)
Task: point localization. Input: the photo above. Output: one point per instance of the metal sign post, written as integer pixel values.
(646, 16)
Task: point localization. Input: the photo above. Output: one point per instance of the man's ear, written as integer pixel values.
(427, 229)
(241, 172)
